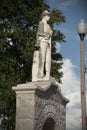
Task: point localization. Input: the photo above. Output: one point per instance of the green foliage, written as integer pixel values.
(18, 25)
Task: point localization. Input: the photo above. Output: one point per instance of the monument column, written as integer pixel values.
(25, 97)
(38, 104)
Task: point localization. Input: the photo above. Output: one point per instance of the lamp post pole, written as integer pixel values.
(82, 30)
(83, 92)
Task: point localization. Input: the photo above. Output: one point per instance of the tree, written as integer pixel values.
(18, 25)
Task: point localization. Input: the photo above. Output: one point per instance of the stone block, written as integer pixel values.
(38, 104)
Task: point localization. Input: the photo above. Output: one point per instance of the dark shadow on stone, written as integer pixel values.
(49, 124)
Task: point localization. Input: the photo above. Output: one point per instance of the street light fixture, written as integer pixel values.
(82, 30)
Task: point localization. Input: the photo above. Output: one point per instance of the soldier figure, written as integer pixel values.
(43, 38)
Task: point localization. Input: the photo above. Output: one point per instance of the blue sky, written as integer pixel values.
(73, 10)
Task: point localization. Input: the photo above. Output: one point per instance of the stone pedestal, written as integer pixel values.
(40, 106)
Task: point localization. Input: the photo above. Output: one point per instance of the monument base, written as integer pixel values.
(40, 106)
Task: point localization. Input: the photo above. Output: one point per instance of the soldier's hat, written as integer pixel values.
(45, 12)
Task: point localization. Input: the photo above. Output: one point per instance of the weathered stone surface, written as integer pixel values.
(37, 102)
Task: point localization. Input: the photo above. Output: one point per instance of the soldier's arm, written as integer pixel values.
(41, 31)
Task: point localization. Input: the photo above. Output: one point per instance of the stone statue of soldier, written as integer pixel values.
(42, 56)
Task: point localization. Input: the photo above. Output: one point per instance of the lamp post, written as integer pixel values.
(82, 30)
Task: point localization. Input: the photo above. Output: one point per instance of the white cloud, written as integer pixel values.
(70, 80)
(71, 89)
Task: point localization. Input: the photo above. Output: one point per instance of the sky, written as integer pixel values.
(74, 11)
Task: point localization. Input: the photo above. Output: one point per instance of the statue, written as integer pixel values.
(42, 57)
